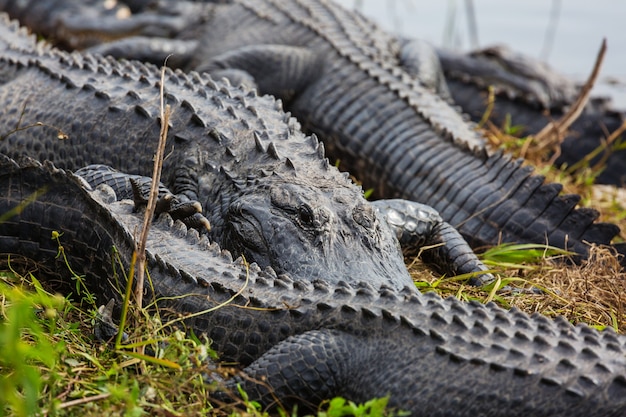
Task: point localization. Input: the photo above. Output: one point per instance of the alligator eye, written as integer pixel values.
(305, 214)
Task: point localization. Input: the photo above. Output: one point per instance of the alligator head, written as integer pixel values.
(314, 231)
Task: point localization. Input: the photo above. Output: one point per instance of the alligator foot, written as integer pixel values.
(423, 233)
(137, 188)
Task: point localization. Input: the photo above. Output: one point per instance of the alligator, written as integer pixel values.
(416, 226)
(525, 87)
(533, 95)
(266, 188)
(311, 340)
(358, 88)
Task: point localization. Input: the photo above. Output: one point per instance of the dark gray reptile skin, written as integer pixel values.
(389, 131)
(265, 187)
(357, 87)
(313, 340)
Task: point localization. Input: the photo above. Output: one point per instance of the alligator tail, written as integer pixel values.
(493, 199)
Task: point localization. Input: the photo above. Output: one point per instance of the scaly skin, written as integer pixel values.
(526, 89)
(416, 226)
(310, 341)
(387, 130)
(265, 187)
(358, 88)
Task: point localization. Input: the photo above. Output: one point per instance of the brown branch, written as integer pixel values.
(552, 134)
(154, 193)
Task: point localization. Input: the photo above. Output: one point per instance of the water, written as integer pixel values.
(564, 33)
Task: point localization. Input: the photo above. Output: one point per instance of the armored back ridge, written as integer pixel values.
(371, 97)
(308, 341)
(267, 189)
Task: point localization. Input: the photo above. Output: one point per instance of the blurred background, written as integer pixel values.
(564, 33)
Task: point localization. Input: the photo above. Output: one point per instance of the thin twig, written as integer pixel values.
(559, 127)
(154, 193)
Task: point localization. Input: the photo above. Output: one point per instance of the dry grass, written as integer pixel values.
(592, 293)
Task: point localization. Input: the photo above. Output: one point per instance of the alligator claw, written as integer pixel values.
(179, 207)
(137, 188)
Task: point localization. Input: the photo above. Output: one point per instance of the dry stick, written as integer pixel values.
(559, 127)
(154, 192)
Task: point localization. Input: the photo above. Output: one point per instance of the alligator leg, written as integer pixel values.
(287, 374)
(137, 188)
(422, 232)
(311, 366)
